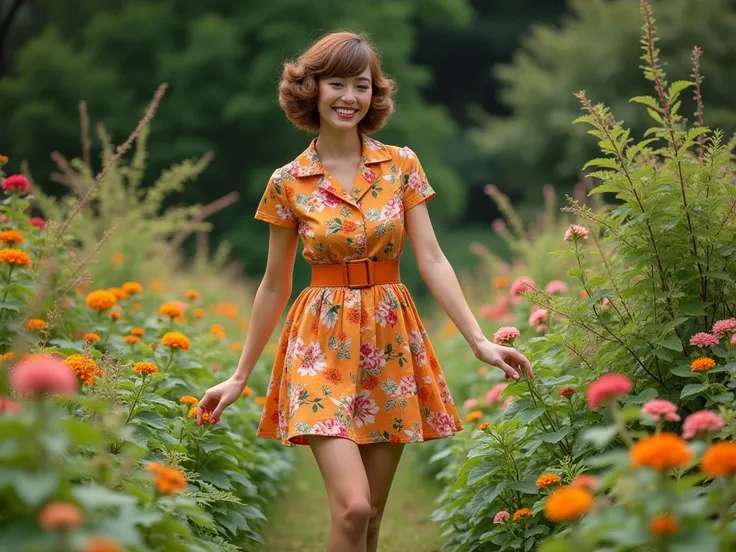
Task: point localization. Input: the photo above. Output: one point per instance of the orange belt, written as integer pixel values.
(355, 273)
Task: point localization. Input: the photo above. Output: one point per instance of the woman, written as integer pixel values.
(355, 376)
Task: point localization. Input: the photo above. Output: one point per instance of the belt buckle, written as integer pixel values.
(369, 276)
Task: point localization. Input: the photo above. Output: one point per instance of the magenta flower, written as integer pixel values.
(16, 182)
(506, 334)
(607, 387)
(37, 222)
(501, 516)
(723, 327)
(702, 420)
(576, 231)
(660, 409)
(703, 339)
(521, 285)
(556, 286)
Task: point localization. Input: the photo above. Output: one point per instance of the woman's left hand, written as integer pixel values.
(508, 359)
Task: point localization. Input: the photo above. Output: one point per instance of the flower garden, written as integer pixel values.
(625, 302)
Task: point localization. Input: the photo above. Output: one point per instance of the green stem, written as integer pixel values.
(131, 413)
(728, 499)
(171, 357)
(620, 424)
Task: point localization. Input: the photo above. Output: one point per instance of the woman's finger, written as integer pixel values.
(508, 370)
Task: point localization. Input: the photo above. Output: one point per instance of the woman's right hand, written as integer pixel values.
(219, 397)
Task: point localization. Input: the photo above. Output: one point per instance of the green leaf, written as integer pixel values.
(556, 436)
(677, 87)
(97, 496)
(600, 436)
(646, 100)
(34, 488)
(527, 485)
(606, 162)
(670, 342)
(693, 389)
(481, 471)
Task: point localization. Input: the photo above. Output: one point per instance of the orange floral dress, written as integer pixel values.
(353, 362)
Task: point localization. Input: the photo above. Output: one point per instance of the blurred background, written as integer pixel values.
(485, 93)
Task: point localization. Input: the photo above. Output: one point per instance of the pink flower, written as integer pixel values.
(567, 391)
(521, 285)
(495, 312)
(605, 304)
(37, 222)
(494, 395)
(501, 516)
(43, 372)
(722, 327)
(538, 317)
(585, 481)
(8, 405)
(660, 409)
(470, 403)
(556, 286)
(607, 387)
(576, 231)
(733, 340)
(702, 420)
(703, 339)
(16, 182)
(504, 334)
(541, 328)
(498, 225)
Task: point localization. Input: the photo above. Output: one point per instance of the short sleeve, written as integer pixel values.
(415, 184)
(275, 207)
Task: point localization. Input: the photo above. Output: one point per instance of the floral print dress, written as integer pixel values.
(353, 363)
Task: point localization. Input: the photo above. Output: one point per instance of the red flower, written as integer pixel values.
(370, 176)
(38, 222)
(370, 382)
(567, 391)
(16, 182)
(607, 387)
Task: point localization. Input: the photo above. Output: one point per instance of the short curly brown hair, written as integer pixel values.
(336, 54)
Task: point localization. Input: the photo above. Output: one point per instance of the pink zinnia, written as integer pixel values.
(585, 481)
(556, 286)
(660, 409)
(8, 405)
(538, 317)
(470, 403)
(521, 285)
(703, 339)
(504, 334)
(495, 312)
(494, 395)
(37, 222)
(541, 328)
(575, 230)
(16, 182)
(722, 327)
(702, 420)
(607, 387)
(43, 373)
(501, 516)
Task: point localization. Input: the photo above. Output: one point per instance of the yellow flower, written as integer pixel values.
(661, 452)
(15, 257)
(702, 364)
(36, 324)
(132, 288)
(523, 513)
(261, 401)
(91, 337)
(11, 237)
(474, 415)
(119, 293)
(140, 332)
(145, 368)
(719, 460)
(168, 480)
(170, 309)
(192, 294)
(567, 504)
(663, 524)
(199, 313)
(100, 300)
(85, 368)
(217, 330)
(131, 339)
(176, 340)
(188, 399)
(547, 479)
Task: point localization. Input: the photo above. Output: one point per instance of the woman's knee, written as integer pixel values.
(354, 513)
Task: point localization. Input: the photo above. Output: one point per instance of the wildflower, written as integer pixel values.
(11, 237)
(474, 415)
(523, 513)
(719, 460)
(494, 394)
(236, 346)
(43, 373)
(661, 410)
(153, 345)
(547, 479)
(8, 405)
(102, 544)
(585, 481)
(101, 300)
(16, 182)
(139, 332)
(131, 339)
(723, 327)
(10, 355)
(192, 294)
(470, 403)
(556, 286)
(228, 310)
(36, 324)
(484, 426)
(56, 516)
(567, 504)
(115, 315)
(261, 401)
(15, 257)
(199, 313)
(576, 231)
(137, 305)
(37, 222)
(702, 420)
(168, 480)
(118, 292)
(3, 159)
(218, 330)
(661, 452)
(247, 391)
(538, 317)
(704, 340)
(176, 340)
(606, 303)
(132, 288)
(188, 399)
(193, 414)
(663, 524)
(521, 285)
(506, 334)
(501, 282)
(702, 364)
(85, 368)
(118, 259)
(501, 516)
(145, 368)
(567, 392)
(173, 310)
(607, 387)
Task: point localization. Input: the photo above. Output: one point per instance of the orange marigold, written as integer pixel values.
(140, 332)
(261, 401)
(168, 480)
(36, 324)
(10, 355)
(663, 524)
(199, 313)
(85, 368)
(193, 414)
(102, 544)
(484, 426)
(567, 503)
(91, 337)
(226, 309)
(247, 391)
(145, 368)
(236, 346)
(11, 237)
(118, 258)
(176, 340)
(60, 515)
(188, 399)
(100, 300)
(170, 309)
(523, 513)
(218, 330)
(501, 282)
(132, 288)
(661, 452)
(192, 294)
(719, 460)
(131, 339)
(474, 415)
(118, 292)
(115, 315)
(547, 479)
(702, 364)
(15, 257)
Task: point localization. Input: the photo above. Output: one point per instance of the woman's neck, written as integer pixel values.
(333, 145)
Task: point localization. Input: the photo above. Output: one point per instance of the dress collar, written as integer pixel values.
(309, 164)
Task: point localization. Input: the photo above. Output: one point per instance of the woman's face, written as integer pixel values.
(342, 102)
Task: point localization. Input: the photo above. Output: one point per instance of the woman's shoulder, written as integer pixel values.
(398, 153)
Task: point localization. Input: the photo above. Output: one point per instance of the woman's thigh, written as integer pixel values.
(342, 469)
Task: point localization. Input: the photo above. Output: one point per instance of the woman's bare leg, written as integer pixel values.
(341, 465)
(380, 461)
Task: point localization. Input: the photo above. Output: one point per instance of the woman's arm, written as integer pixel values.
(440, 277)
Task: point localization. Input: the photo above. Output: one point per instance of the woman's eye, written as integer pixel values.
(335, 84)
